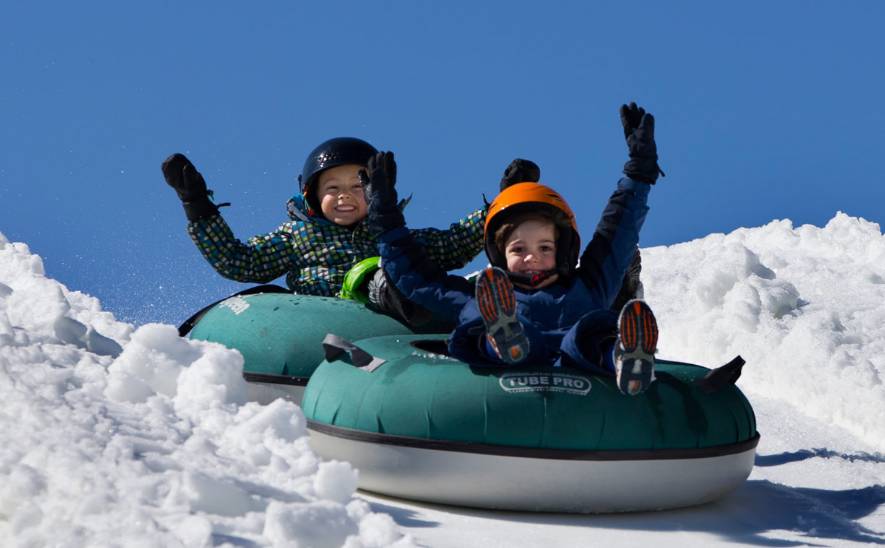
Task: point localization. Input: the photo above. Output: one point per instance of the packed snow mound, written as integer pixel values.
(804, 306)
(111, 436)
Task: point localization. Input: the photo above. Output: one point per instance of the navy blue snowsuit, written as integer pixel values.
(567, 323)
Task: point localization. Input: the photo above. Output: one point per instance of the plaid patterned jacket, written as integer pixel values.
(315, 253)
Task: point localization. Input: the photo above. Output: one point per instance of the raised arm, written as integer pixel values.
(610, 251)
(262, 259)
(404, 259)
(454, 248)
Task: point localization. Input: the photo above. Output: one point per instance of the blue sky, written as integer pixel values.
(765, 110)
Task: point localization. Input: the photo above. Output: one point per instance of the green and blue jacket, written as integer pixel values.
(315, 253)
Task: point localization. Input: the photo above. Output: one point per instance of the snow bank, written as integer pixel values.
(804, 306)
(111, 436)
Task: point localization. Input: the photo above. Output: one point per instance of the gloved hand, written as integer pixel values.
(379, 179)
(639, 130)
(190, 186)
(520, 171)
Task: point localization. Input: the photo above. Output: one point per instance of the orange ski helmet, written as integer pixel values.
(524, 198)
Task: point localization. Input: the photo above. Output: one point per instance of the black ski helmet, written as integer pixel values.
(335, 152)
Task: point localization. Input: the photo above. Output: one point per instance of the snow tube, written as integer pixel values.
(427, 427)
(280, 335)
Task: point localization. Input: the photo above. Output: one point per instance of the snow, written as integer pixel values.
(804, 306)
(117, 435)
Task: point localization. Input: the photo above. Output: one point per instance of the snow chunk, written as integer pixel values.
(150, 364)
(336, 481)
(70, 331)
(322, 524)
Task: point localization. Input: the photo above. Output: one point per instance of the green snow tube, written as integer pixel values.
(280, 335)
(424, 426)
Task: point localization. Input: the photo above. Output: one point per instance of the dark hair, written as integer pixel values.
(506, 229)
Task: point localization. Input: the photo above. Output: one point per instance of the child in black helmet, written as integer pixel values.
(535, 304)
(325, 235)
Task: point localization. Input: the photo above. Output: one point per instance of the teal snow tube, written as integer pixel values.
(427, 427)
(280, 335)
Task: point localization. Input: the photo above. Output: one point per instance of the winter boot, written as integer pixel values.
(497, 306)
(635, 351)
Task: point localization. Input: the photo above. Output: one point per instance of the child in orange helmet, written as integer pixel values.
(535, 304)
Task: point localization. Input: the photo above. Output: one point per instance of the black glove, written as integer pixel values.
(190, 186)
(520, 171)
(379, 179)
(639, 130)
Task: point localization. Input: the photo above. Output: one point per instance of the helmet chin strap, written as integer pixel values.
(532, 280)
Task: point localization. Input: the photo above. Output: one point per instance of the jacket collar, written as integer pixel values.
(296, 207)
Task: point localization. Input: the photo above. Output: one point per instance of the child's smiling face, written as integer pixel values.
(341, 194)
(531, 249)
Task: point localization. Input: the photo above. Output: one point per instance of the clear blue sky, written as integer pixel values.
(765, 110)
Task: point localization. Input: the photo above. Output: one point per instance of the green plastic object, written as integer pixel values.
(421, 395)
(356, 279)
(281, 334)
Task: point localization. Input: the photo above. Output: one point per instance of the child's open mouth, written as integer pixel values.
(345, 209)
